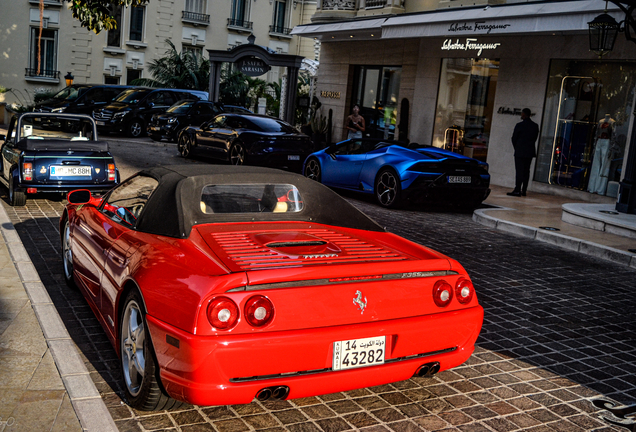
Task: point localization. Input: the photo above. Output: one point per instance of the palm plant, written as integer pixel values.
(181, 70)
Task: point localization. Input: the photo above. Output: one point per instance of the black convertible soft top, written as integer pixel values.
(174, 207)
(30, 144)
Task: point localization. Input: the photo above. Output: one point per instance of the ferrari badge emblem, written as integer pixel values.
(97, 170)
(357, 300)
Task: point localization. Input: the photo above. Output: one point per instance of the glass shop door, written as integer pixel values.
(574, 131)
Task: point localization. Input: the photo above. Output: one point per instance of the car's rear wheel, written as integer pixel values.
(67, 256)
(312, 169)
(136, 128)
(140, 371)
(185, 145)
(387, 189)
(16, 197)
(237, 154)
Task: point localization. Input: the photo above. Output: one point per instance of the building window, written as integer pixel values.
(196, 6)
(465, 102)
(47, 53)
(197, 51)
(240, 14)
(278, 25)
(576, 149)
(137, 23)
(114, 35)
(376, 90)
(132, 74)
(111, 80)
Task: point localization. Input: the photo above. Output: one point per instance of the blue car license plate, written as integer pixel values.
(459, 179)
(70, 171)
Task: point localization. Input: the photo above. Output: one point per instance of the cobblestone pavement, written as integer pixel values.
(559, 332)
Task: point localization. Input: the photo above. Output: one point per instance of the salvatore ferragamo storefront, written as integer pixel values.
(458, 79)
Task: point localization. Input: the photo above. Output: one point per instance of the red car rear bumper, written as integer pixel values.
(231, 369)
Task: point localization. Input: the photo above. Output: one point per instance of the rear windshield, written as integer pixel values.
(265, 124)
(70, 93)
(48, 126)
(180, 107)
(251, 198)
(132, 96)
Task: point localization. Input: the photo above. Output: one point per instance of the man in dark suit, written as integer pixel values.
(523, 138)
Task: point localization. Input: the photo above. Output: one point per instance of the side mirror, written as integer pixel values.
(80, 196)
(151, 105)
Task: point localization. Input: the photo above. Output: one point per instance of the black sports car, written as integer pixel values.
(179, 116)
(250, 139)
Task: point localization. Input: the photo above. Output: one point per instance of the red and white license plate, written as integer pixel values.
(459, 179)
(357, 353)
(70, 171)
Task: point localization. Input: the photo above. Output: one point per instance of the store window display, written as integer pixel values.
(605, 150)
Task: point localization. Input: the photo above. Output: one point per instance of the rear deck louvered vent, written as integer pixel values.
(248, 254)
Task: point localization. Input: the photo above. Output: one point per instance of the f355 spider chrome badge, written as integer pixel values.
(357, 300)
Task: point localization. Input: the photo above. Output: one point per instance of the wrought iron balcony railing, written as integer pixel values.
(279, 30)
(44, 73)
(338, 4)
(375, 4)
(231, 22)
(195, 17)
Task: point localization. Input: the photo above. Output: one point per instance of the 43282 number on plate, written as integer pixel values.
(357, 353)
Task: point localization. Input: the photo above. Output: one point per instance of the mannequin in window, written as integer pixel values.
(604, 149)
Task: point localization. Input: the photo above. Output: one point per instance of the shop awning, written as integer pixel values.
(516, 18)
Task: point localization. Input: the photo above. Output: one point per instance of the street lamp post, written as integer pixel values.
(69, 79)
(603, 31)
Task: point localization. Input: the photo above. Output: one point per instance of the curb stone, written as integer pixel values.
(566, 242)
(86, 400)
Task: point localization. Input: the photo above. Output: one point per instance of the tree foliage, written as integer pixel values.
(182, 70)
(97, 15)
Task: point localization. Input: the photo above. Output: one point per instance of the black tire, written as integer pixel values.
(237, 154)
(140, 371)
(67, 257)
(16, 197)
(185, 145)
(387, 189)
(313, 170)
(136, 128)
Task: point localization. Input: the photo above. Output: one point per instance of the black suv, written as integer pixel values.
(132, 110)
(179, 116)
(80, 98)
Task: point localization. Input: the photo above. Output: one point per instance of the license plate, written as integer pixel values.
(293, 157)
(154, 128)
(459, 179)
(100, 123)
(357, 353)
(70, 171)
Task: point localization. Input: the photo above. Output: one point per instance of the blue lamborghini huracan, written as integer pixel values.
(395, 173)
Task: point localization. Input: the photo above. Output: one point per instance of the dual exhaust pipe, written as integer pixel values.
(428, 369)
(272, 393)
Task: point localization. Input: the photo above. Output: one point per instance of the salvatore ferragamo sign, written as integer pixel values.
(477, 27)
(468, 45)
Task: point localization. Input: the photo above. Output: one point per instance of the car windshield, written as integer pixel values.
(70, 93)
(251, 198)
(132, 96)
(180, 107)
(39, 127)
(266, 124)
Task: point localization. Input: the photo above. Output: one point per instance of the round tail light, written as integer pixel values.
(223, 313)
(259, 311)
(442, 293)
(464, 291)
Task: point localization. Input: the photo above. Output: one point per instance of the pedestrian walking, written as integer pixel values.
(355, 123)
(523, 138)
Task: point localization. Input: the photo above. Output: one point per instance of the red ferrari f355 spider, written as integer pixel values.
(219, 284)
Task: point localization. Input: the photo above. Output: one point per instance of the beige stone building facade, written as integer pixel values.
(119, 56)
(456, 74)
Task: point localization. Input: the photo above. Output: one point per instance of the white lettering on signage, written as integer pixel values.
(470, 44)
(479, 25)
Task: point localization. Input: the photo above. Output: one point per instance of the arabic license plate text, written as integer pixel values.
(71, 171)
(459, 179)
(357, 353)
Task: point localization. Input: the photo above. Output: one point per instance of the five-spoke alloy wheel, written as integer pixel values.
(185, 145)
(237, 154)
(67, 256)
